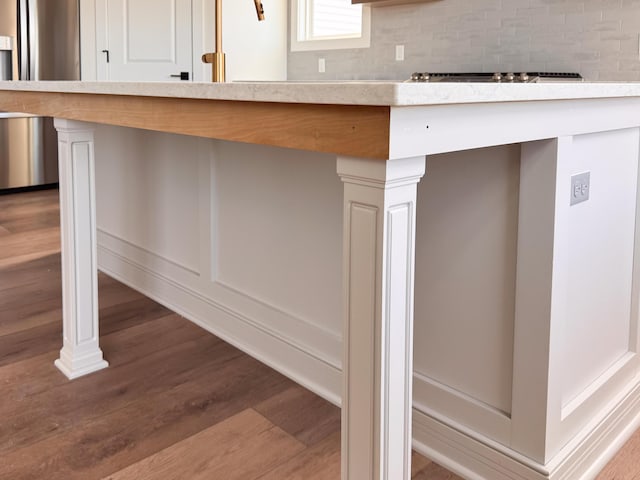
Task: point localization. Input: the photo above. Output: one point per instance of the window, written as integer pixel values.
(329, 24)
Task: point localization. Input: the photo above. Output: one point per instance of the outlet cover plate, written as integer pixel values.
(580, 187)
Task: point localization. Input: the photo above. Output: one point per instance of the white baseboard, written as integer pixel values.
(257, 340)
(431, 395)
(474, 458)
(452, 445)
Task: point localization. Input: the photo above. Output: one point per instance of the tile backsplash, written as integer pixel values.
(598, 38)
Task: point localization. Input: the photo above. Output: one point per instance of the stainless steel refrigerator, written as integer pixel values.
(42, 39)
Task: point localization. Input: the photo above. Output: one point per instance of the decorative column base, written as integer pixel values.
(74, 367)
(80, 354)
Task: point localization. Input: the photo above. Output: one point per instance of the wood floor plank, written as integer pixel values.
(112, 293)
(29, 289)
(155, 335)
(18, 344)
(20, 259)
(29, 343)
(302, 414)
(28, 205)
(27, 242)
(15, 308)
(127, 314)
(239, 448)
(53, 314)
(41, 270)
(418, 463)
(626, 464)
(38, 374)
(35, 373)
(109, 443)
(40, 415)
(26, 268)
(44, 217)
(433, 471)
(28, 285)
(320, 462)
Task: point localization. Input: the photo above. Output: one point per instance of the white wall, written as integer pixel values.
(255, 50)
(296, 270)
(465, 272)
(88, 39)
(134, 206)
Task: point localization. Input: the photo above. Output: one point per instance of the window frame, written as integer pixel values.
(298, 22)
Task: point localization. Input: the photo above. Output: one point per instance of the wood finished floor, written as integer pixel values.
(175, 403)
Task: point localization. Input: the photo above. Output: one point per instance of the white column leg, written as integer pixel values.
(541, 296)
(378, 259)
(80, 353)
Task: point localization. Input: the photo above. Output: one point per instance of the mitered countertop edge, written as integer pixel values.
(374, 93)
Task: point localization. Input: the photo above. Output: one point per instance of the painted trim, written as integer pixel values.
(296, 45)
(115, 242)
(247, 334)
(80, 354)
(454, 446)
(447, 442)
(431, 395)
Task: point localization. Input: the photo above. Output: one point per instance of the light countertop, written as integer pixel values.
(344, 93)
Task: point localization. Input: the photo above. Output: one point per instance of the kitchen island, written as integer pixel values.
(563, 390)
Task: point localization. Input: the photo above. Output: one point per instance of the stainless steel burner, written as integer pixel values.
(510, 77)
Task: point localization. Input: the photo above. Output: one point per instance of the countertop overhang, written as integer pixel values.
(377, 120)
(373, 93)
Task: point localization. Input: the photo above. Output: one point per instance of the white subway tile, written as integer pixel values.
(598, 38)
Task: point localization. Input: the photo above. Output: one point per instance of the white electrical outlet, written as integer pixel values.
(399, 53)
(580, 188)
(321, 65)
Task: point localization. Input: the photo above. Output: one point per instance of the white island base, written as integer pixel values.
(525, 326)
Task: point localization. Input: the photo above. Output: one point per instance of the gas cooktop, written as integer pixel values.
(523, 77)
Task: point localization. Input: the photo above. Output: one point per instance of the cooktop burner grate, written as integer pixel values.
(523, 77)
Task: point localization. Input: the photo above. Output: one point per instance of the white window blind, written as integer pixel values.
(333, 19)
(329, 24)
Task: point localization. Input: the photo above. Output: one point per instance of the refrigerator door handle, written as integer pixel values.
(23, 40)
(34, 41)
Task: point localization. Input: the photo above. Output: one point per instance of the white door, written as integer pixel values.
(147, 40)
